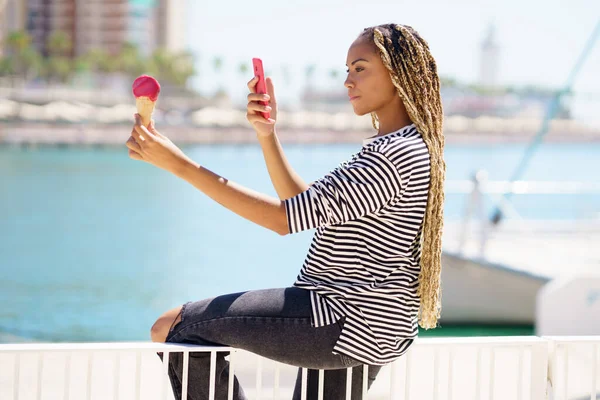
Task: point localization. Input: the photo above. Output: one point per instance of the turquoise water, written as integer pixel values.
(94, 246)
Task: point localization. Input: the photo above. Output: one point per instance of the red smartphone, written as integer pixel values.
(261, 85)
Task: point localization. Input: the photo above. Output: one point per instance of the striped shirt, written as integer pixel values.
(363, 261)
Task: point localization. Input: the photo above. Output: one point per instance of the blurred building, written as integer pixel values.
(44, 17)
(170, 25)
(139, 22)
(98, 24)
(490, 59)
(12, 18)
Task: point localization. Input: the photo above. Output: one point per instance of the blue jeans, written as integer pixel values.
(273, 323)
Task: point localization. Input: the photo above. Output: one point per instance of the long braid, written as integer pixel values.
(413, 71)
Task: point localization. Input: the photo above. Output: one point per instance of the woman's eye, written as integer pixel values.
(357, 69)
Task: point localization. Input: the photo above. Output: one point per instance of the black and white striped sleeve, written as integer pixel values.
(361, 187)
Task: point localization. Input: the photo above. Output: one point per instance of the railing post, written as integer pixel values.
(467, 216)
(539, 370)
(481, 179)
(550, 387)
(475, 206)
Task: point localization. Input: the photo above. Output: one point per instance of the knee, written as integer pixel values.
(158, 332)
(162, 326)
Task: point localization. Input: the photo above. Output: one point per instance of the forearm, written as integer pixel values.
(259, 208)
(286, 181)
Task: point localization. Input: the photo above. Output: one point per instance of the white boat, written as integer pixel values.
(492, 274)
(481, 292)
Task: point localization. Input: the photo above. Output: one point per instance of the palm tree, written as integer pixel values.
(23, 59)
(309, 74)
(160, 64)
(81, 65)
(6, 67)
(218, 66)
(131, 62)
(182, 68)
(59, 64)
(100, 62)
(60, 69)
(174, 69)
(59, 44)
(18, 41)
(334, 74)
(33, 63)
(243, 69)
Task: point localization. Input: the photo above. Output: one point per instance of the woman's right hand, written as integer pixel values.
(263, 127)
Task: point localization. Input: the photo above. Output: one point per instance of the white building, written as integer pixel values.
(98, 24)
(490, 60)
(108, 24)
(170, 25)
(13, 15)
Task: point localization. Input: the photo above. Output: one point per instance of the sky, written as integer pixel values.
(540, 40)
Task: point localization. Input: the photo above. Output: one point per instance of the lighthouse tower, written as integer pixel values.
(489, 61)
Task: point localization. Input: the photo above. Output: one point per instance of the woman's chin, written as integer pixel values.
(360, 111)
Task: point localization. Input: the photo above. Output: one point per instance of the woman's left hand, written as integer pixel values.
(147, 144)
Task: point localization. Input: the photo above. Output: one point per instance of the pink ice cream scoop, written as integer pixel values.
(145, 89)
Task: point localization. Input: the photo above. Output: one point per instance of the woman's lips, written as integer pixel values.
(353, 98)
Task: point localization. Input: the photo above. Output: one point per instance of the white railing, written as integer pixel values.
(479, 187)
(519, 368)
(466, 186)
(574, 367)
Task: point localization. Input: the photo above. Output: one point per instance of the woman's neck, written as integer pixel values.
(392, 118)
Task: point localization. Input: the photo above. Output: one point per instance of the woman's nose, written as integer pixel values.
(348, 83)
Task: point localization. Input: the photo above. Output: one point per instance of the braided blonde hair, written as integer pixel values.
(414, 74)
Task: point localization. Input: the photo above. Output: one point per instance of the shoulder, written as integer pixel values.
(400, 147)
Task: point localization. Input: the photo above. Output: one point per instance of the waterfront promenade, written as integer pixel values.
(79, 117)
(114, 134)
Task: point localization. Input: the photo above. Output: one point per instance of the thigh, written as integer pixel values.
(274, 323)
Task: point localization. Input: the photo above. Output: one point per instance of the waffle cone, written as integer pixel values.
(145, 107)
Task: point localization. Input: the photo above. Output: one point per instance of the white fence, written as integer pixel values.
(519, 368)
(574, 367)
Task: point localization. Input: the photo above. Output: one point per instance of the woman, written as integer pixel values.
(373, 269)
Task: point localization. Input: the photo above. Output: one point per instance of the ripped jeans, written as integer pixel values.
(273, 323)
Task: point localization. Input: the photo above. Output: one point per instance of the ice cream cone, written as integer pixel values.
(145, 107)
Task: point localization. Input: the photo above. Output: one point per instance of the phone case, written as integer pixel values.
(261, 85)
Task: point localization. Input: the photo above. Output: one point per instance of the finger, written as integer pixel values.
(138, 135)
(258, 97)
(135, 156)
(252, 84)
(254, 106)
(133, 145)
(256, 117)
(142, 132)
(134, 131)
(152, 129)
(271, 91)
